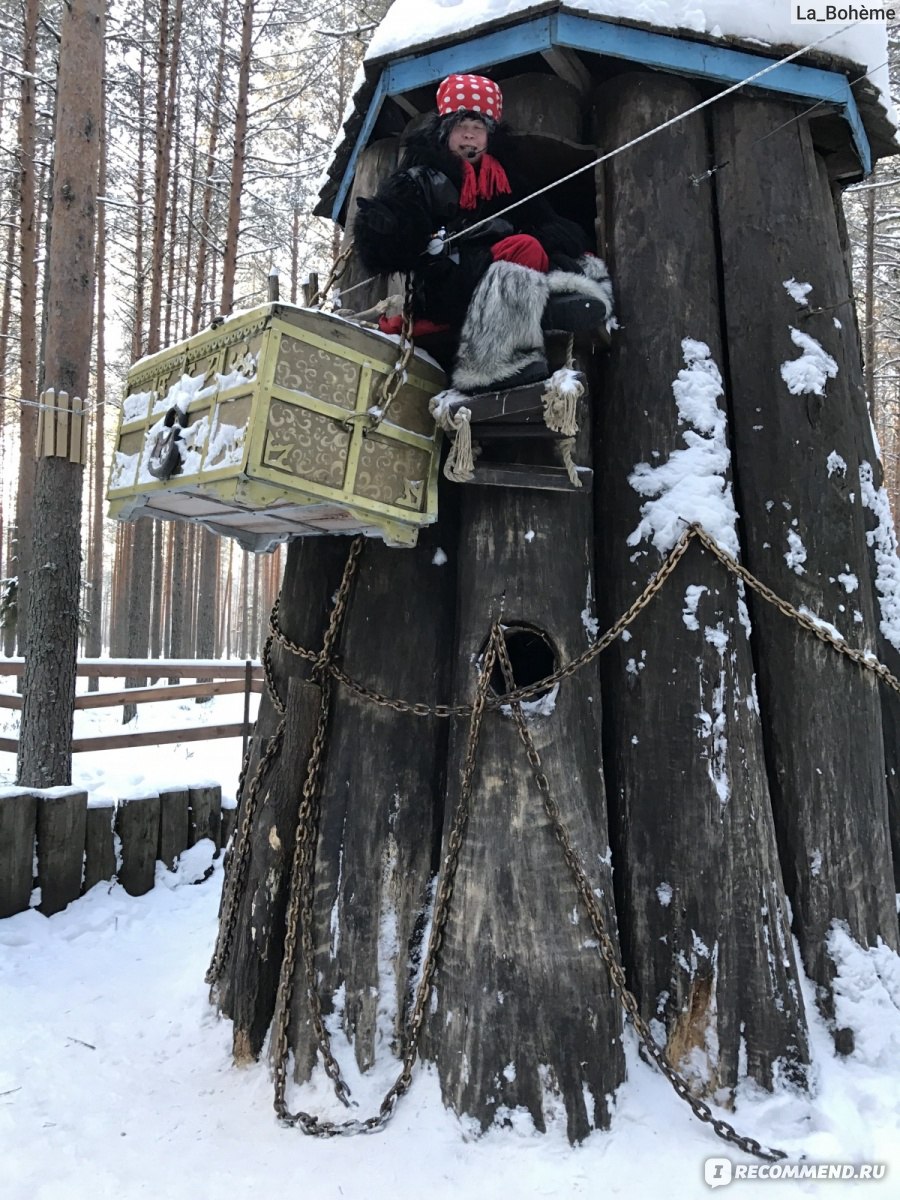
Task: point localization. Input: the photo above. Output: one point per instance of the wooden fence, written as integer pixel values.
(53, 839)
(223, 679)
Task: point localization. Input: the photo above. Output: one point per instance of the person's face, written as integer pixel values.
(468, 139)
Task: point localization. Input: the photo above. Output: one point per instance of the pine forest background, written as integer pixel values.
(218, 119)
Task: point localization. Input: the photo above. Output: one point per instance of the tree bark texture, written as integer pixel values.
(45, 747)
(804, 530)
(702, 905)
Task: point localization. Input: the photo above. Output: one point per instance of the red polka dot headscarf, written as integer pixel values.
(473, 93)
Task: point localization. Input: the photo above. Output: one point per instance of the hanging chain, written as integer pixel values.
(396, 378)
(300, 905)
(373, 696)
(338, 268)
(606, 945)
(315, 1126)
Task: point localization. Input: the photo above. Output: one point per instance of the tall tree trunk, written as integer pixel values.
(45, 747)
(238, 158)
(28, 241)
(94, 640)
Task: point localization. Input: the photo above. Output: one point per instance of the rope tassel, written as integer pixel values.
(460, 464)
(560, 400)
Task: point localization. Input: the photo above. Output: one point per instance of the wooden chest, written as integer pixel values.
(263, 424)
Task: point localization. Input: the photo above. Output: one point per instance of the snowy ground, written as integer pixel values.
(116, 1080)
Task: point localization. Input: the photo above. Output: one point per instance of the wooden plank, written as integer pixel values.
(205, 814)
(531, 475)
(498, 432)
(174, 824)
(137, 824)
(523, 404)
(246, 988)
(18, 824)
(10, 701)
(176, 691)
(61, 820)
(9, 744)
(517, 927)
(160, 737)
(114, 667)
(99, 845)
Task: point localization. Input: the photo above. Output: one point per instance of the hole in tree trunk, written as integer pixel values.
(532, 656)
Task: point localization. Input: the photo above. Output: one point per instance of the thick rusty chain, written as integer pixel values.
(300, 902)
(239, 859)
(315, 1126)
(860, 657)
(339, 266)
(396, 377)
(605, 943)
(302, 878)
(866, 661)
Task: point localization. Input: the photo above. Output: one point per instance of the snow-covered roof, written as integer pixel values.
(418, 28)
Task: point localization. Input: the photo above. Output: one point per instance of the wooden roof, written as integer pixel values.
(573, 44)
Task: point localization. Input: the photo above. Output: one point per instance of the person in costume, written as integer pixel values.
(498, 278)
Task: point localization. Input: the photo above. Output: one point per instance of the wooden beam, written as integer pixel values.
(406, 105)
(159, 737)
(114, 667)
(178, 691)
(9, 701)
(566, 64)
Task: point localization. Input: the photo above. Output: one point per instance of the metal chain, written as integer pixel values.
(337, 270)
(300, 903)
(863, 659)
(315, 1126)
(396, 378)
(606, 946)
(302, 876)
(669, 564)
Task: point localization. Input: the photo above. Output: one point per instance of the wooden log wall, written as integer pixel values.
(703, 915)
(821, 716)
(58, 841)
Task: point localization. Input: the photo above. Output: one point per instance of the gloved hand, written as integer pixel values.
(377, 217)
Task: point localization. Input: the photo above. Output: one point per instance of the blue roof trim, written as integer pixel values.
(662, 51)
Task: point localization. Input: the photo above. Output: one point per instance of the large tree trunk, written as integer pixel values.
(741, 761)
(45, 748)
(804, 530)
(28, 375)
(693, 836)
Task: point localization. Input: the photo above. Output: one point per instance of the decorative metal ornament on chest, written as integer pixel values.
(266, 428)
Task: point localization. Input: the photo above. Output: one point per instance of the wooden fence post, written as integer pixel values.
(18, 821)
(61, 821)
(205, 815)
(99, 844)
(137, 824)
(174, 824)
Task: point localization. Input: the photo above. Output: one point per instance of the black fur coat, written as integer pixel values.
(391, 231)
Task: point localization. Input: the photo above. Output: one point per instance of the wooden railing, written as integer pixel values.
(212, 679)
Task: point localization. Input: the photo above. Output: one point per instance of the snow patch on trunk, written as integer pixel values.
(691, 486)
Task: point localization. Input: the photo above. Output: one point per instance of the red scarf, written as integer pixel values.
(489, 182)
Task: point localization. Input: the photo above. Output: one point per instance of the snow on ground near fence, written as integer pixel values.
(116, 1081)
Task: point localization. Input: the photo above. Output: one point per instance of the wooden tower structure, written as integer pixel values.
(726, 778)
